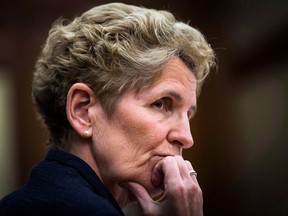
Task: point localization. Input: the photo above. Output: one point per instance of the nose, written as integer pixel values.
(180, 133)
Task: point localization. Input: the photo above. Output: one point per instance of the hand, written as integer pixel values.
(182, 194)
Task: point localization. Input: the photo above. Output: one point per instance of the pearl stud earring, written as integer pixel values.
(86, 134)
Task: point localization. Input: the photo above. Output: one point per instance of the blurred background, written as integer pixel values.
(240, 130)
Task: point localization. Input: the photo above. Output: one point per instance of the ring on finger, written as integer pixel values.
(192, 172)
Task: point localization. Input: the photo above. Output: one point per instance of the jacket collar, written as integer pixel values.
(68, 159)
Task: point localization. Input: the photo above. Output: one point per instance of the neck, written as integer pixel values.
(82, 149)
(121, 195)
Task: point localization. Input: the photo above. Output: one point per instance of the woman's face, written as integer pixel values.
(145, 127)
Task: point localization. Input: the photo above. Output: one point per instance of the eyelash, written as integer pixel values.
(163, 103)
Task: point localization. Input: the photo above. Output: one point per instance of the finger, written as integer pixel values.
(174, 186)
(190, 167)
(178, 185)
(169, 169)
(180, 189)
(157, 176)
(183, 168)
(145, 201)
(195, 192)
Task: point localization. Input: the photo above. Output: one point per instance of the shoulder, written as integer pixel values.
(22, 203)
(57, 189)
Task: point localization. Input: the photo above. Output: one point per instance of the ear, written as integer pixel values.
(80, 99)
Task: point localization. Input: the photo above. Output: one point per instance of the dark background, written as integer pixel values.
(240, 130)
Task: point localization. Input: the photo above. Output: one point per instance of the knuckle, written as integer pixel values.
(195, 190)
(178, 157)
(168, 160)
(177, 188)
(188, 163)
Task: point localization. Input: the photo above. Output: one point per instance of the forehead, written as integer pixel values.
(176, 74)
(176, 79)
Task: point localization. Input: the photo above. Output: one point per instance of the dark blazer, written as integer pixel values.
(62, 184)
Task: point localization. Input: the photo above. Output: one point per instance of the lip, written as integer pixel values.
(165, 155)
(156, 158)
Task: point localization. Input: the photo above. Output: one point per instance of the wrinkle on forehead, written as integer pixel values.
(174, 65)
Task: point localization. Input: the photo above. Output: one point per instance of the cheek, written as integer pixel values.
(146, 145)
(136, 148)
(146, 137)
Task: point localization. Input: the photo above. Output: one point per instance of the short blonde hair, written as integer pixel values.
(112, 48)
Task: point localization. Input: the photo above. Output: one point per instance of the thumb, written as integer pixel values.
(140, 194)
(138, 191)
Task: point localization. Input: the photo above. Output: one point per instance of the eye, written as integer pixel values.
(192, 112)
(159, 104)
(190, 115)
(163, 104)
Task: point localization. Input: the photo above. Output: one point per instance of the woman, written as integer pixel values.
(116, 88)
